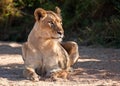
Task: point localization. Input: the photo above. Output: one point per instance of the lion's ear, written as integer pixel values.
(39, 13)
(58, 11)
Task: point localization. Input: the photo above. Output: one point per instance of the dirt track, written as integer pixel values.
(97, 66)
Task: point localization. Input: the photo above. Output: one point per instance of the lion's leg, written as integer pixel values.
(29, 70)
(59, 74)
(72, 49)
(30, 74)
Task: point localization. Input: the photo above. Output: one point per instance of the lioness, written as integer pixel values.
(44, 53)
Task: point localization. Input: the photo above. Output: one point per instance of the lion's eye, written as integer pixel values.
(51, 23)
(61, 22)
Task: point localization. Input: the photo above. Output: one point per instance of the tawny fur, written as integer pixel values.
(44, 50)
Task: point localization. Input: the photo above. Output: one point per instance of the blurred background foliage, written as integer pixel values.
(89, 22)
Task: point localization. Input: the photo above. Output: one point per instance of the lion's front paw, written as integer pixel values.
(58, 76)
(34, 77)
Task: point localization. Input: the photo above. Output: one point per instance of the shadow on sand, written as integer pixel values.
(12, 72)
(7, 49)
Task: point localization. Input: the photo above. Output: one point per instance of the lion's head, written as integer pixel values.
(48, 24)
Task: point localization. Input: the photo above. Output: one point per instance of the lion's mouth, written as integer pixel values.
(59, 37)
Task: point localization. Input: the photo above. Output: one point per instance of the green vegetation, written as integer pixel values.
(85, 21)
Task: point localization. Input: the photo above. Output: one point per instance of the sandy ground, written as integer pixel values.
(97, 67)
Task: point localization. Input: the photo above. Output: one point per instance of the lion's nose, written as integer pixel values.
(59, 32)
